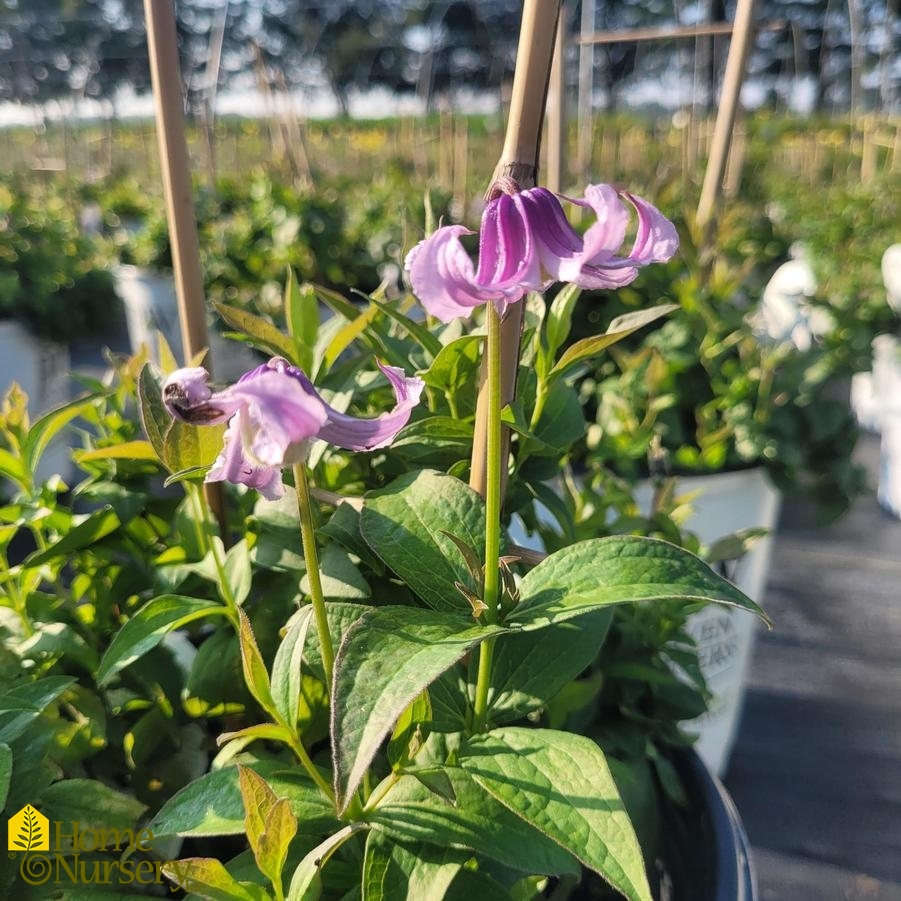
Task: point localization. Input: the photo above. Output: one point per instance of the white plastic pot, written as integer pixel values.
(151, 306)
(41, 369)
(725, 503)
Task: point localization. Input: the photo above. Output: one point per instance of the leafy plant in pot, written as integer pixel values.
(371, 652)
(54, 290)
(455, 642)
(427, 763)
(736, 419)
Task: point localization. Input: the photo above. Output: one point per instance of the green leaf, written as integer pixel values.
(735, 546)
(426, 340)
(270, 823)
(147, 628)
(341, 616)
(286, 668)
(434, 437)
(562, 421)
(207, 878)
(38, 694)
(620, 328)
(596, 573)
(559, 318)
(405, 522)
(346, 335)
(13, 468)
(529, 669)
(154, 415)
(411, 812)
(91, 803)
(6, 771)
(559, 782)
(87, 531)
(262, 333)
(306, 883)
(340, 576)
(45, 429)
(410, 731)
(127, 450)
(393, 872)
(337, 302)
(258, 731)
(256, 677)
(455, 365)
(385, 660)
(212, 805)
(302, 315)
(238, 571)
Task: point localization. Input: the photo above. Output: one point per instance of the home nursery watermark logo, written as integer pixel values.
(66, 854)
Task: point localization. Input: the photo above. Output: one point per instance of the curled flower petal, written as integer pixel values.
(273, 413)
(526, 243)
(598, 266)
(369, 434)
(443, 277)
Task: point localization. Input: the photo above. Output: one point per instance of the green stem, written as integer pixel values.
(493, 462)
(493, 467)
(311, 557)
(483, 684)
(312, 770)
(207, 541)
(379, 792)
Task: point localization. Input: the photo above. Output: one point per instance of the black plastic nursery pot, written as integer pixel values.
(705, 852)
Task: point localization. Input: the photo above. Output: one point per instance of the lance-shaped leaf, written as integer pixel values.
(260, 332)
(620, 328)
(270, 824)
(405, 524)
(286, 668)
(206, 877)
(413, 812)
(559, 782)
(386, 659)
(529, 669)
(306, 882)
(302, 315)
(149, 626)
(255, 675)
(395, 872)
(600, 572)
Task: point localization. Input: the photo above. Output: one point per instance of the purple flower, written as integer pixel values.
(526, 243)
(273, 413)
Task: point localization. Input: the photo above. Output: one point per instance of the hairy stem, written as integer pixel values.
(494, 461)
(311, 557)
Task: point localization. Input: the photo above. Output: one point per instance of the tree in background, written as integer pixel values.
(67, 50)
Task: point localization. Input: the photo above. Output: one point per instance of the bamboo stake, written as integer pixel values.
(725, 118)
(170, 126)
(519, 161)
(556, 110)
(176, 175)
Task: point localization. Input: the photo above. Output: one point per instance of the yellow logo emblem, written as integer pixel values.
(29, 830)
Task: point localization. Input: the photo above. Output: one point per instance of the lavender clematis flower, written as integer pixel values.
(273, 412)
(526, 243)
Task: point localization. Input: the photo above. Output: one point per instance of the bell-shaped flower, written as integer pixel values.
(273, 413)
(526, 243)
